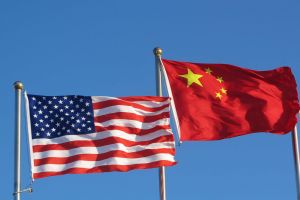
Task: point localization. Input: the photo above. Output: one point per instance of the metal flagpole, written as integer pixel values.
(162, 177)
(296, 159)
(17, 175)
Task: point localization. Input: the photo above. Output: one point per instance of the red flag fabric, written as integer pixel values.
(217, 101)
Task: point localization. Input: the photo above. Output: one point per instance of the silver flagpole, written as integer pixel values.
(296, 159)
(17, 175)
(162, 177)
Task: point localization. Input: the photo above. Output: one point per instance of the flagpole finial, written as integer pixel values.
(157, 51)
(18, 85)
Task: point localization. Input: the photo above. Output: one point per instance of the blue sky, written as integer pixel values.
(105, 48)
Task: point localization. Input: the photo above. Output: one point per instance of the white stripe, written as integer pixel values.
(109, 161)
(127, 109)
(96, 99)
(133, 123)
(152, 104)
(102, 135)
(103, 149)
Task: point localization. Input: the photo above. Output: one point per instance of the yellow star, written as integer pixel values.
(192, 78)
(220, 79)
(223, 90)
(208, 71)
(218, 95)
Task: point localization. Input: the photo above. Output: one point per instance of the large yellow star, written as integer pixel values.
(192, 78)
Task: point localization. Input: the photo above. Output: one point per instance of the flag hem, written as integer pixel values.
(29, 134)
(174, 111)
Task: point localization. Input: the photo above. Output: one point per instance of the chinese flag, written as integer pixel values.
(217, 101)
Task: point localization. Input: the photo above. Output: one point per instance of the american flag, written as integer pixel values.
(82, 134)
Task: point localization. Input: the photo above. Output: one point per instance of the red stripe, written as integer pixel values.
(131, 116)
(98, 143)
(117, 102)
(107, 168)
(145, 98)
(131, 130)
(102, 156)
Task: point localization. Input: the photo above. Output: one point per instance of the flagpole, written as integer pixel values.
(296, 159)
(17, 174)
(162, 178)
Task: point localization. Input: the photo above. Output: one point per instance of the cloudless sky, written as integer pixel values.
(105, 48)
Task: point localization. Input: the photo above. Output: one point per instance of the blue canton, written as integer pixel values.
(55, 116)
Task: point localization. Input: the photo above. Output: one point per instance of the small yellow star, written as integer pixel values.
(192, 78)
(220, 79)
(223, 90)
(218, 95)
(208, 71)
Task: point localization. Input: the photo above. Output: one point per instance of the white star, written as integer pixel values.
(57, 124)
(35, 115)
(77, 114)
(72, 117)
(77, 106)
(40, 112)
(68, 122)
(67, 114)
(63, 128)
(37, 134)
(53, 129)
(73, 125)
(54, 97)
(36, 124)
(44, 98)
(88, 113)
(46, 116)
(81, 100)
(87, 104)
(33, 98)
(42, 129)
(58, 133)
(83, 118)
(68, 130)
(65, 98)
(83, 125)
(34, 107)
(51, 111)
(49, 102)
(60, 101)
(55, 106)
(47, 125)
(78, 121)
(39, 103)
(45, 107)
(72, 111)
(71, 102)
(78, 129)
(89, 128)
(51, 120)
(41, 120)
(82, 110)
(48, 134)
(67, 107)
(61, 119)
(56, 115)
(61, 110)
